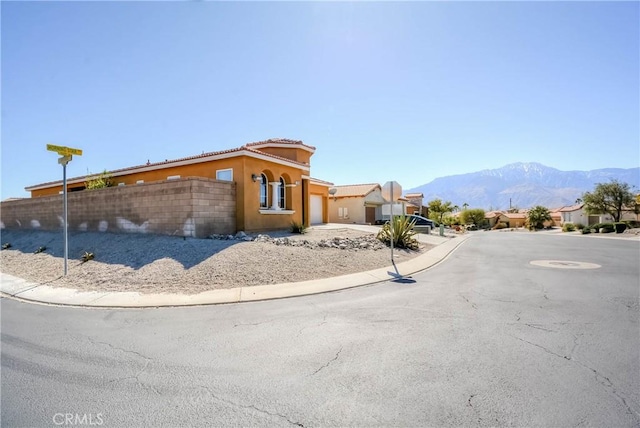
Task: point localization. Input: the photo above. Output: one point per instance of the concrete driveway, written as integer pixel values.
(485, 338)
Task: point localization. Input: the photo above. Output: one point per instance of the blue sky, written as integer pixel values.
(385, 91)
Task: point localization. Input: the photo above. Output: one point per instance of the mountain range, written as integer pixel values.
(521, 185)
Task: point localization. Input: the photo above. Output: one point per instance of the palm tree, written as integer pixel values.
(537, 216)
(465, 206)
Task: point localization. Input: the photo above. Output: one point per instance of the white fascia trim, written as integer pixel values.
(182, 163)
(277, 212)
(319, 183)
(282, 146)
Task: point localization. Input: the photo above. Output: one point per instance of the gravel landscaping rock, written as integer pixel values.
(169, 264)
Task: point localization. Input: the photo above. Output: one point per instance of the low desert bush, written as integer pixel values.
(568, 227)
(298, 228)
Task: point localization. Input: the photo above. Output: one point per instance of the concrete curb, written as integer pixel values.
(20, 289)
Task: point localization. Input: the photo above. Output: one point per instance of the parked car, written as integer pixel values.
(422, 221)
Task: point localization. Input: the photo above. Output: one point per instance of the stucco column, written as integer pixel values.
(275, 195)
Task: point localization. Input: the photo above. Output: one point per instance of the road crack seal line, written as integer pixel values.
(547, 350)
(328, 362)
(600, 378)
(93, 342)
(473, 305)
(538, 327)
(249, 406)
(324, 321)
(136, 376)
(253, 324)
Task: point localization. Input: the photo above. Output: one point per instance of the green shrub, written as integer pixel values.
(298, 228)
(568, 227)
(620, 227)
(586, 230)
(403, 233)
(633, 224)
(99, 181)
(607, 228)
(579, 226)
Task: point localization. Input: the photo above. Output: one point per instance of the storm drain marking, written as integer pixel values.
(564, 264)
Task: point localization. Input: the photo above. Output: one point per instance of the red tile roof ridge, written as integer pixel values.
(279, 141)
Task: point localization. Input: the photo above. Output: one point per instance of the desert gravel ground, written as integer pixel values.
(168, 264)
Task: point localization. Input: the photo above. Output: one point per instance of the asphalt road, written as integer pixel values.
(484, 338)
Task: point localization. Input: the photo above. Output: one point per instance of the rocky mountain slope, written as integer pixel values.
(524, 185)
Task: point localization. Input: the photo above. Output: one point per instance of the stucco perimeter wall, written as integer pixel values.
(195, 207)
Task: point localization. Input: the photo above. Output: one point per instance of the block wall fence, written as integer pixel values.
(192, 206)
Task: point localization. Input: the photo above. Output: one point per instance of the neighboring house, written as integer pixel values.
(556, 217)
(272, 183)
(415, 204)
(511, 220)
(357, 203)
(576, 214)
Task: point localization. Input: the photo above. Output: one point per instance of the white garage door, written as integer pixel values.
(316, 209)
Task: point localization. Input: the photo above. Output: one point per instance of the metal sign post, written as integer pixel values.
(64, 161)
(392, 227)
(389, 192)
(66, 153)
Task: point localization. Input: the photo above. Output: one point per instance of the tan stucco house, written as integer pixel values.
(272, 186)
(357, 203)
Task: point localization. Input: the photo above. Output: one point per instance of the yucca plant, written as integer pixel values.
(403, 233)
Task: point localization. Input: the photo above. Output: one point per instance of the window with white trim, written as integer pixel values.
(264, 192)
(224, 174)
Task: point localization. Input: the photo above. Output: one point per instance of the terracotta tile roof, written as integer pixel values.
(494, 214)
(571, 208)
(131, 169)
(280, 141)
(514, 215)
(355, 190)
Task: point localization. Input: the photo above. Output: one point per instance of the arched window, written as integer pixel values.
(283, 193)
(264, 192)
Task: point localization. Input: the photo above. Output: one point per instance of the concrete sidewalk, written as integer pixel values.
(18, 288)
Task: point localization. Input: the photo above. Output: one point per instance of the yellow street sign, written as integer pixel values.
(64, 151)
